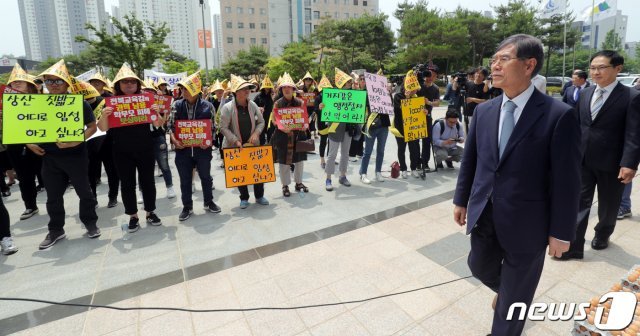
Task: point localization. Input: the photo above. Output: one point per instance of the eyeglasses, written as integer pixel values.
(128, 81)
(54, 81)
(600, 68)
(502, 59)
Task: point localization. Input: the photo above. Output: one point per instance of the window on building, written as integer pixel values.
(336, 15)
(253, 40)
(252, 26)
(241, 40)
(346, 2)
(227, 10)
(346, 15)
(229, 39)
(355, 2)
(263, 26)
(263, 11)
(315, 27)
(335, 2)
(316, 15)
(364, 3)
(252, 10)
(229, 25)
(240, 25)
(307, 28)
(307, 2)
(327, 14)
(263, 40)
(355, 15)
(307, 14)
(239, 10)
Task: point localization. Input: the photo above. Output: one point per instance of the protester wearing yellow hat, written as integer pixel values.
(100, 83)
(308, 86)
(241, 123)
(20, 80)
(133, 152)
(64, 162)
(409, 90)
(264, 100)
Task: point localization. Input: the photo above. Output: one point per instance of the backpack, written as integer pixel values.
(441, 123)
(395, 169)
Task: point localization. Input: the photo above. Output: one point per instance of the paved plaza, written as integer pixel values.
(321, 247)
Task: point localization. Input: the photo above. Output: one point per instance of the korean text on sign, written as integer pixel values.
(379, 97)
(347, 106)
(291, 118)
(194, 133)
(131, 110)
(6, 89)
(248, 165)
(308, 97)
(164, 102)
(40, 118)
(414, 119)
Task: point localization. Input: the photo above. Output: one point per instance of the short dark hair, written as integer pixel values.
(527, 47)
(614, 57)
(581, 74)
(483, 70)
(451, 114)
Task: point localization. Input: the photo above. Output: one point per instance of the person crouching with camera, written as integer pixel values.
(447, 134)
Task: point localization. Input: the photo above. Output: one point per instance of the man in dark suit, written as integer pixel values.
(519, 181)
(572, 93)
(609, 116)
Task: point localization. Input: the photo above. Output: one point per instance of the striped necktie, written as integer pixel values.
(597, 104)
(508, 123)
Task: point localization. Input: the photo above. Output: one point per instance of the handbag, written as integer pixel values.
(308, 145)
(395, 169)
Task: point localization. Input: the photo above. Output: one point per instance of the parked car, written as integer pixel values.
(630, 81)
(557, 81)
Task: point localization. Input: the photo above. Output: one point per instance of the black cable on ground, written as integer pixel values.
(231, 309)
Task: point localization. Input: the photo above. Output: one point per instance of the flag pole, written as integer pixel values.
(564, 48)
(591, 39)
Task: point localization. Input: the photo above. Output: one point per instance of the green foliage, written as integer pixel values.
(76, 64)
(135, 42)
(612, 41)
(516, 17)
(276, 67)
(481, 37)
(552, 36)
(246, 63)
(299, 57)
(188, 65)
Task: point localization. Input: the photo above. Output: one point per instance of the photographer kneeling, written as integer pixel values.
(447, 134)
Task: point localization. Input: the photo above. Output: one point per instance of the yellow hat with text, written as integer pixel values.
(192, 83)
(18, 74)
(59, 70)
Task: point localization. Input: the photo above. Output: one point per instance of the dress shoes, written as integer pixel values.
(571, 255)
(599, 243)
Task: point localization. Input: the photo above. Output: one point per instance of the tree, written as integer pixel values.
(552, 35)
(481, 36)
(276, 67)
(299, 57)
(135, 42)
(76, 64)
(612, 41)
(516, 17)
(246, 63)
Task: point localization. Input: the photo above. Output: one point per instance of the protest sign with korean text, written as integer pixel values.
(171, 79)
(6, 89)
(414, 119)
(347, 106)
(248, 165)
(164, 103)
(291, 118)
(308, 97)
(42, 118)
(379, 97)
(194, 133)
(131, 110)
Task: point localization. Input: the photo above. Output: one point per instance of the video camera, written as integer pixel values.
(421, 72)
(461, 78)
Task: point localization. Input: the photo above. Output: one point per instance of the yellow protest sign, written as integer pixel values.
(414, 119)
(40, 118)
(248, 165)
(411, 82)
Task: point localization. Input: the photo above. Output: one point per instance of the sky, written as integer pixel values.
(12, 42)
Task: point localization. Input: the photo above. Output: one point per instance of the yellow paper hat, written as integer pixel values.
(324, 83)
(161, 81)
(149, 84)
(225, 84)
(192, 83)
(411, 81)
(99, 77)
(125, 72)
(380, 72)
(287, 81)
(217, 86)
(307, 76)
(109, 86)
(239, 83)
(341, 78)
(266, 83)
(59, 70)
(18, 74)
(85, 89)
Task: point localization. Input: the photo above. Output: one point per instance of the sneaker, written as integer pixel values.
(343, 180)
(262, 201)
(134, 224)
(153, 220)
(327, 185)
(29, 213)
(112, 203)
(7, 246)
(364, 179)
(244, 204)
(51, 239)
(404, 174)
(449, 164)
(353, 159)
(323, 165)
(439, 165)
(170, 193)
(624, 213)
(415, 174)
(185, 214)
(379, 177)
(94, 233)
(212, 207)
(139, 197)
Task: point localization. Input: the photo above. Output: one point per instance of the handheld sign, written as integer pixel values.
(309, 98)
(194, 133)
(40, 118)
(131, 110)
(164, 102)
(6, 89)
(291, 118)
(248, 165)
(414, 119)
(379, 98)
(347, 106)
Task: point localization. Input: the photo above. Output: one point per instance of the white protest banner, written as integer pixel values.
(171, 79)
(85, 76)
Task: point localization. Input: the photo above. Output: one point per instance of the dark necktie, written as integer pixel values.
(508, 124)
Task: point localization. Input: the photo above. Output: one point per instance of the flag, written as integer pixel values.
(549, 8)
(601, 10)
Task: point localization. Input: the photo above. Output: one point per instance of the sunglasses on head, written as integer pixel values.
(54, 81)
